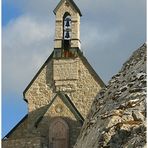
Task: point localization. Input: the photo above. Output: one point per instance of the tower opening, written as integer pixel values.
(67, 34)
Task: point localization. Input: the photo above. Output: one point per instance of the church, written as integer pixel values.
(60, 95)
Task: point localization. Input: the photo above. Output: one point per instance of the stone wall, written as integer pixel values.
(40, 92)
(36, 142)
(118, 115)
(43, 87)
(65, 74)
(65, 69)
(24, 136)
(66, 114)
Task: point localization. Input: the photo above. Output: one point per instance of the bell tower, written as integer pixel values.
(67, 29)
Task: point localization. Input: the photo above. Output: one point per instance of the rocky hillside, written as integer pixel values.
(118, 115)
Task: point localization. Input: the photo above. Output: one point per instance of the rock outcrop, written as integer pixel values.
(117, 118)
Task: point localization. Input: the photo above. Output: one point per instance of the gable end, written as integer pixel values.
(49, 58)
(67, 101)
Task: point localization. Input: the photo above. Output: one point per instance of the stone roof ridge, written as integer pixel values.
(72, 4)
(45, 110)
(67, 98)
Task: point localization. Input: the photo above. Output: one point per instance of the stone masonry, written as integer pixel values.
(117, 118)
(75, 39)
(45, 86)
(60, 95)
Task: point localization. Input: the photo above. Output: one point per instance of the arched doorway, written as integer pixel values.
(58, 134)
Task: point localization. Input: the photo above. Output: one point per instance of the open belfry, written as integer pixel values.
(60, 95)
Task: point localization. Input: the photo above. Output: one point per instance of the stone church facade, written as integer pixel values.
(60, 95)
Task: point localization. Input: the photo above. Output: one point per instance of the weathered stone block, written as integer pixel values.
(65, 69)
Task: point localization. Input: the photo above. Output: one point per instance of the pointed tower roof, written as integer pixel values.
(71, 2)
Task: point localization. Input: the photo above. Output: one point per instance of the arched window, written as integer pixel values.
(66, 31)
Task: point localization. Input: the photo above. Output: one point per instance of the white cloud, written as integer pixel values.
(106, 27)
(26, 44)
(98, 36)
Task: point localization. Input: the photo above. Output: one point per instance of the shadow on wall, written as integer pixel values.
(49, 74)
(39, 123)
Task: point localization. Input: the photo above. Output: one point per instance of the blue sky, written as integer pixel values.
(9, 11)
(116, 28)
(12, 111)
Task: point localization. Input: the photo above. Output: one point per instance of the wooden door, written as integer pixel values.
(58, 134)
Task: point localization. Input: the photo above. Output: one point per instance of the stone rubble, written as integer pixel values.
(117, 118)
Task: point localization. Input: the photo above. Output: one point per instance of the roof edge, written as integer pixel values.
(33, 79)
(95, 75)
(11, 131)
(71, 2)
(72, 105)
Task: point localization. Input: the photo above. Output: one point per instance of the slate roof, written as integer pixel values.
(70, 2)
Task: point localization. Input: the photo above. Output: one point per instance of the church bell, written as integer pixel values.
(67, 36)
(67, 23)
